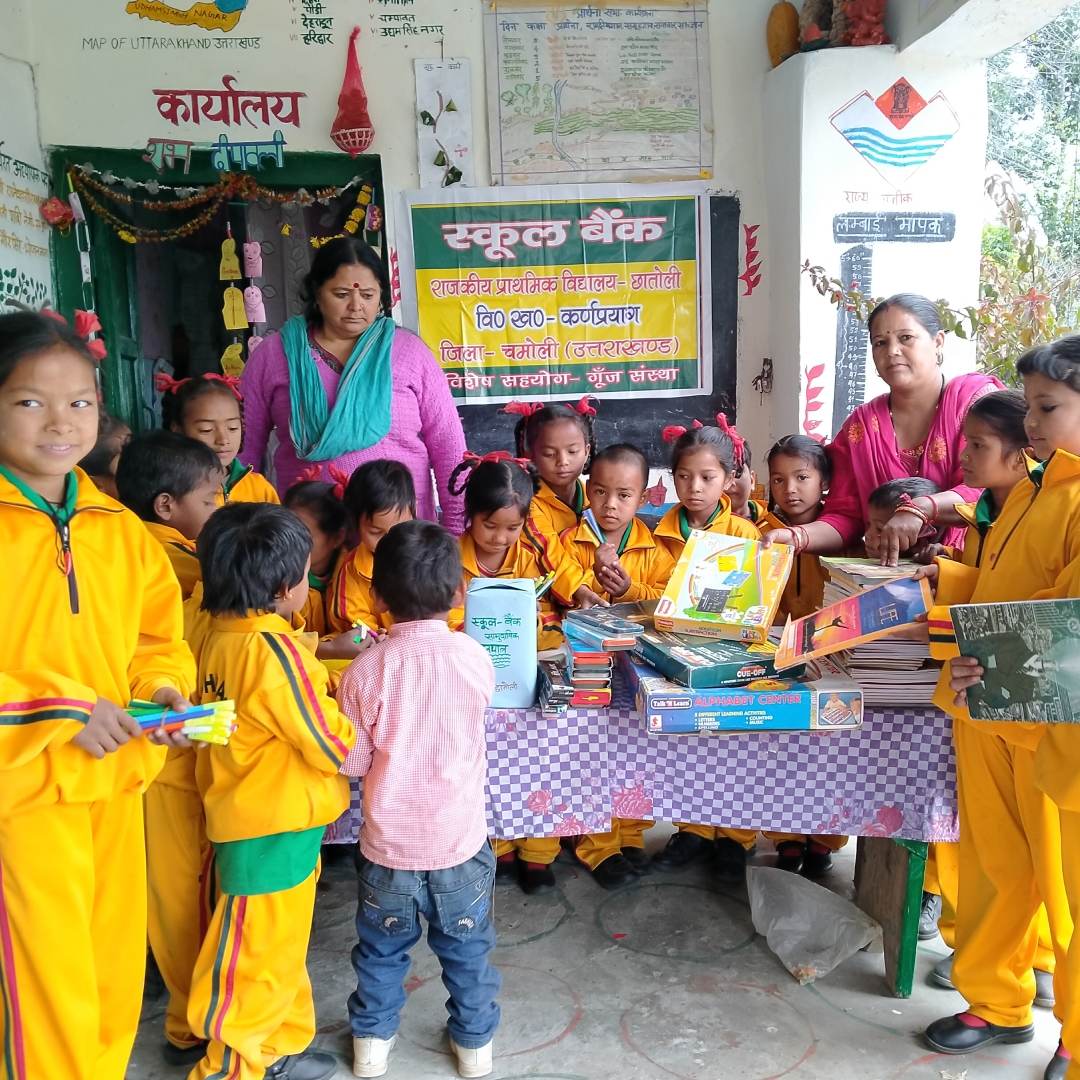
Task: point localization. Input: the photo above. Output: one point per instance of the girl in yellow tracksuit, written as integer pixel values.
(104, 627)
(498, 542)
(379, 495)
(622, 564)
(1010, 830)
(208, 408)
(173, 484)
(268, 795)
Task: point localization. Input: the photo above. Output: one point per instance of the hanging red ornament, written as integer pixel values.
(57, 213)
(352, 129)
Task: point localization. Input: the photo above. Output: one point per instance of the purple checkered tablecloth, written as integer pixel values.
(559, 776)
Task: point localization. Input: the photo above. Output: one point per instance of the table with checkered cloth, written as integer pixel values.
(560, 776)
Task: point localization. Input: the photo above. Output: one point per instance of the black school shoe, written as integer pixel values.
(183, 1055)
(682, 849)
(506, 867)
(535, 878)
(310, 1065)
(639, 862)
(789, 856)
(929, 915)
(729, 859)
(951, 1035)
(1059, 1064)
(816, 861)
(614, 872)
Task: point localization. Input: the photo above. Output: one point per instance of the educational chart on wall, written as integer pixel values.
(444, 136)
(561, 291)
(584, 94)
(24, 237)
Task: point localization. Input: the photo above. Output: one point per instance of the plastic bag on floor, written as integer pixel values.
(810, 929)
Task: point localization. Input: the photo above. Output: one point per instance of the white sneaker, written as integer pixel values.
(371, 1055)
(473, 1063)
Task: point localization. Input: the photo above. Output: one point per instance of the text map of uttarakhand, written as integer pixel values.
(585, 94)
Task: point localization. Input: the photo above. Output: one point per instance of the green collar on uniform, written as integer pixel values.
(234, 474)
(985, 512)
(684, 521)
(625, 538)
(1037, 472)
(60, 513)
(577, 503)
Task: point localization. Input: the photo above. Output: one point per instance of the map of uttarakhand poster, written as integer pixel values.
(595, 94)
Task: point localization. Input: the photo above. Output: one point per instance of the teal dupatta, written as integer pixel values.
(361, 414)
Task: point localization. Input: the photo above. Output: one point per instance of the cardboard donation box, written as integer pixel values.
(724, 587)
(830, 703)
(500, 613)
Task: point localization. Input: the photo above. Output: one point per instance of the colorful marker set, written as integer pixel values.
(213, 723)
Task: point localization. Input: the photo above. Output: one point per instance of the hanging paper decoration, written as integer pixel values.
(373, 219)
(253, 259)
(253, 342)
(352, 130)
(58, 214)
(229, 267)
(232, 309)
(253, 304)
(232, 360)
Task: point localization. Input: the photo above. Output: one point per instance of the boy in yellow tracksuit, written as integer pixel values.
(1010, 831)
(624, 564)
(268, 795)
(379, 495)
(104, 627)
(173, 484)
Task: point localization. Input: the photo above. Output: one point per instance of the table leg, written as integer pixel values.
(888, 887)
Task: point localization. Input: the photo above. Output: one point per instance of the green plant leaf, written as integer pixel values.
(426, 118)
(450, 106)
(439, 159)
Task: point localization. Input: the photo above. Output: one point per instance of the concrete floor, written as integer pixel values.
(666, 979)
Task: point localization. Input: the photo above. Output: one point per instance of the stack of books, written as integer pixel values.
(894, 671)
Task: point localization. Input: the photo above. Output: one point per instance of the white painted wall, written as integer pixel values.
(966, 28)
(831, 178)
(16, 28)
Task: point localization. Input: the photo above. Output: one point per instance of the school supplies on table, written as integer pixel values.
(705, 662)
(852, 575)
(542, 585)
(212, 723)
(599, 627)
(869, 615)
(724, 587)
(1030, 655)
(500, 613)
(831, 702)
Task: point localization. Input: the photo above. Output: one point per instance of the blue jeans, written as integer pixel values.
(457, 906)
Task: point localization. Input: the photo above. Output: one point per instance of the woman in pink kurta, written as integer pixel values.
(916, 429)
(347, 293)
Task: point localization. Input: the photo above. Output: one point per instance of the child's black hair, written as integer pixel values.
(720, 443)
(888, 495)
(805, 449)
(100, 459)
(1058, 360)
(177, 396)
(417, 570)
(495, 485)
(24, 333)
(1003, 411)
(162, 463)
(249, 553)
(317, 497)
(378, 486)
(528, 427)
(625, 454)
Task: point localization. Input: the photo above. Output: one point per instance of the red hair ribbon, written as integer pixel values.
(86, 323)
(496, 455)
(583, 407)
(737, 441)
(677, 431)
(341, 480)
(310, 474)
(167, 384)
(522, 408)
(231, 381)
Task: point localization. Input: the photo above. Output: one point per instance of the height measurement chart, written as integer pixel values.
(580, 94)
(559, 292)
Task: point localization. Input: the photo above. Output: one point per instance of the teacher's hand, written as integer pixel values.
(899, 534)
(778, 536)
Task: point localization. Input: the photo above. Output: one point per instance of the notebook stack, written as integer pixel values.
(895, 671)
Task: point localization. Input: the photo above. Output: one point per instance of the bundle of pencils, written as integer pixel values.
(212, 723)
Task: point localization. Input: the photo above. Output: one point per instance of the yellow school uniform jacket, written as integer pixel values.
(181, 553)
(315, 611)
(350, 599)
(522, 561)
(646, 563)
(111, 628)
(279, 772)
(805, 589)
(549, 518)
(1031, 553)
(244, 484)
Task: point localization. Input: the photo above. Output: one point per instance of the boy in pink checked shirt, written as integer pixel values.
(417, 699)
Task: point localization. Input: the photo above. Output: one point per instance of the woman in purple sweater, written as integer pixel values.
(342, 384)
